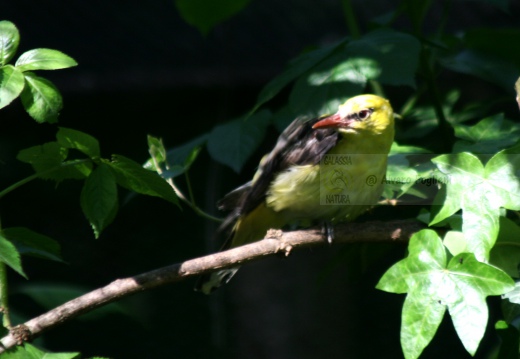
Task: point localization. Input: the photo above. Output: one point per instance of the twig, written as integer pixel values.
(397, 231)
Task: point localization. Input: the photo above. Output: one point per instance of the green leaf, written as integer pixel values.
(11, 84)
(234, 142)
(157, 152)
(44, 59)
(462, 286)
(28, 351)
(10, 256)
(296, 68)
(78, 140)
(41, 99)
(509, 340)
(480, 193)
(9, 40)
(387, 56)
(131, 175)
(481, 65)
(31, 243)
(455, 242)
(487, 136)
(205, 14)
(48, 159)
(506, 252)
(99, 198)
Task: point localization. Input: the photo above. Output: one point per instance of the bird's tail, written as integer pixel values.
(208, 283)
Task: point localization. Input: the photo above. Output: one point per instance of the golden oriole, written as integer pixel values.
(328, 169)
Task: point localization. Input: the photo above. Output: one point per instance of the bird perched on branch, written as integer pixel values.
(328, 169)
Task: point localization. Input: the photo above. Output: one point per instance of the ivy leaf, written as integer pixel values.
(513, 295)
(205, 14)
(480, 192)
(31, 243)
(9, 40)
(131, 175)
(487, 136)
(78, 140)
(461, 286)
(10, 256)
(41, 99)
(99, 198)
(506, 251)
(44, 59)
(234, 142)
(11, 84)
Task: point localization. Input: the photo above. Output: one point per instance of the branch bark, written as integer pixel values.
(275, 242)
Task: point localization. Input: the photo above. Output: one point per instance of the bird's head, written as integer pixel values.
(368, 114)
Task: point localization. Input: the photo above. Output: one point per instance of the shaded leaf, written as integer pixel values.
(506, 252)
(31, 243)
(234, 142)
(10, 256)
(41, 99)
(48, 161)
(99, 198)
(11, 84)
(44, 59)
(132, 176)
(9, 40)
(78, 140)
(205, 14)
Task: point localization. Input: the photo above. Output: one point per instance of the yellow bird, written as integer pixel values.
(328, 169)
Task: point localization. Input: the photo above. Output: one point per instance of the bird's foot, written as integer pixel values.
(328, 231)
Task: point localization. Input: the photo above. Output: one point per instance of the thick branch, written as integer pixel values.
(398, 231)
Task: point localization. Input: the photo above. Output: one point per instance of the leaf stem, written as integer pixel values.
(350, 18)
(39, 174)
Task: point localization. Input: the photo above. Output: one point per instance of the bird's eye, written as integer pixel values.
(364, 114)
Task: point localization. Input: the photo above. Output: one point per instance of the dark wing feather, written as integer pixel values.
(299, 144)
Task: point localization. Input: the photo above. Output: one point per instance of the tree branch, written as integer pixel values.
(275, 242)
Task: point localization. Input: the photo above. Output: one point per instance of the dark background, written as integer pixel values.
(143, 70)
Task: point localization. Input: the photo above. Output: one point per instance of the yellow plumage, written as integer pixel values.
(328, 169)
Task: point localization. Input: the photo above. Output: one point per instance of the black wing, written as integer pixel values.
(298, 144)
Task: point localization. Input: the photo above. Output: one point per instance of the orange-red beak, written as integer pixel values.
(332, 121)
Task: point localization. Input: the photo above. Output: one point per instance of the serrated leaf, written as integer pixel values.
(44, 59)
(41, 99)
(205, 14)
(131, 175)
(11, 84)
(48, 161)
(31, 243)
(234, 142)
(10, 256)
(99, 198)
(78, 140)
(461, 286)
(9, 40)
